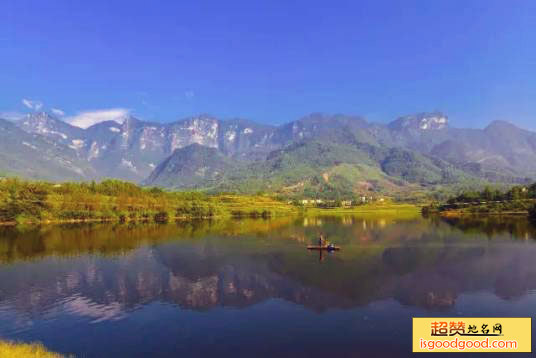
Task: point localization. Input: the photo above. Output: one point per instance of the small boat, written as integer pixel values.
(327, 248)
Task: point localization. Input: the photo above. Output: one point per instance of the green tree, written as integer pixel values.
(487, 194)
(532, 191)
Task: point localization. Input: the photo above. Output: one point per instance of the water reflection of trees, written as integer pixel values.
(33, 242)
(493, 225)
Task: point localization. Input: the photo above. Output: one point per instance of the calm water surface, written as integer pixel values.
(250, 288)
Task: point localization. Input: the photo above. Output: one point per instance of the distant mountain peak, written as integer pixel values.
(128, 121)
(37, 122)
(421, 121)
(501, 125)
(35, 116)
(47, 125)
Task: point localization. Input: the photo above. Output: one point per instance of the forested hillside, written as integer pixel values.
(26, 201)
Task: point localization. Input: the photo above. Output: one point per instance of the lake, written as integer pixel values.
(249, 288)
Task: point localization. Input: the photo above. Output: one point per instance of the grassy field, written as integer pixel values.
(19, 350)
(372, 209)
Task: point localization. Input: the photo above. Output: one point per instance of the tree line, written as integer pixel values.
(37, 201)
(489, 194)
(517, 199)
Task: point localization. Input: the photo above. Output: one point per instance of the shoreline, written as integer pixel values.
(144, 221)
(402, 210)
(456, 213)
(396, 209)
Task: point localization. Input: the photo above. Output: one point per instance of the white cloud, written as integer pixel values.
(11, 116)
(35, 105)
(88, 118)
(58, 112)
(189, 94)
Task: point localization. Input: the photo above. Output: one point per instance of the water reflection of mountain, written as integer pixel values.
(103, 273)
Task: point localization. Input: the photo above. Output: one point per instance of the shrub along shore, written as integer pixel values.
(519, 200)
(23, 201)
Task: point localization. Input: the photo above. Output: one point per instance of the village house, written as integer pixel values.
(311, 201)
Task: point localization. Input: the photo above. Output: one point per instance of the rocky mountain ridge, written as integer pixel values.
(435, 152)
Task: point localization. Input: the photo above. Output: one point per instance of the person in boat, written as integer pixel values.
(321, 240)
(331, 246)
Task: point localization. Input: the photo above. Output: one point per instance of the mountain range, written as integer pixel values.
(318, 155)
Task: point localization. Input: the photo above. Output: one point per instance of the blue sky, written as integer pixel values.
(271, 61)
